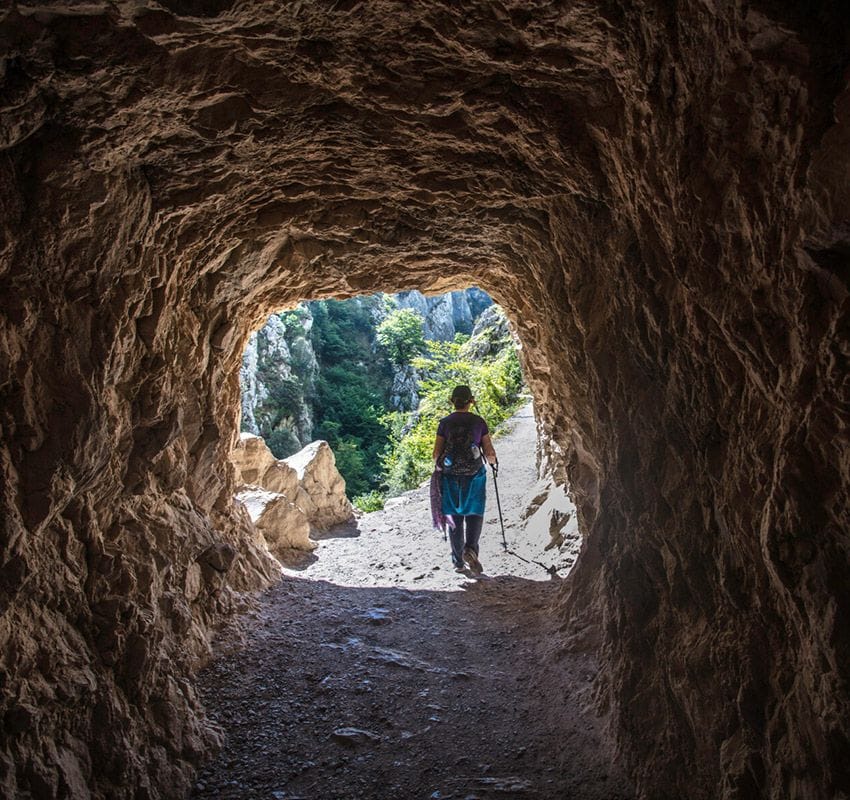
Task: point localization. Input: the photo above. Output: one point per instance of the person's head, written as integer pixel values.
(462, 397)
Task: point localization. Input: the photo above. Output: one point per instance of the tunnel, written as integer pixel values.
(657, 192)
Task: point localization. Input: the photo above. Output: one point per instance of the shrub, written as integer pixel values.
(282, 443)
(496, 383)
(372, 501)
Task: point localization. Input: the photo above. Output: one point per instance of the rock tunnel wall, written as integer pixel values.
(657, 192)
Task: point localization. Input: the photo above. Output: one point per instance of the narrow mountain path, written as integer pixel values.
(373, 670)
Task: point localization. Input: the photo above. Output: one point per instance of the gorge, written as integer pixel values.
(658, 194)
(369, 374)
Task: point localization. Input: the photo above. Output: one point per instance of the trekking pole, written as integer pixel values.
(495, 468)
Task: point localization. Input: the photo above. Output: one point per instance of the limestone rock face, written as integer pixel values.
(491, 333)
(257, 466)
(446, 314)
(271, 358)
(287, 498)
(404, 395)
(283, 524)
(276, 350)
(657, 193)
(322, 496)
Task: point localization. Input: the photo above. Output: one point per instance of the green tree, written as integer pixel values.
(351, 463)
(496, 382)
(402, 335)
(282, 443)
(352, 388)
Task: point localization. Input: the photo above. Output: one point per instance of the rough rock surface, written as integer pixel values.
(322, 489)
(404, 392)
(256, 466)
(283, 524)
(446, 314)
(658, 193)
(287, 498)
(277, 354)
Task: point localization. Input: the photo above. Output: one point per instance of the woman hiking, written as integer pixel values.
(460, 449)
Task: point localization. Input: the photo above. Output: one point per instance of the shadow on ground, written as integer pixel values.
(329, 691)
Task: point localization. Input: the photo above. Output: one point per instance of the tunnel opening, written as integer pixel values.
(381, 627)
(354, 373)
(371, 376)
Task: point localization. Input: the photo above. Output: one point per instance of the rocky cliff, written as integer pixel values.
(278, 380)
(447, 314)
(658, 193)
(280, 367)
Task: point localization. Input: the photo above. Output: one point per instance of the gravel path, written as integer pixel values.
(373, 670)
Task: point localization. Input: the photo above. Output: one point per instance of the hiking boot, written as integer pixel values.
(471, 558)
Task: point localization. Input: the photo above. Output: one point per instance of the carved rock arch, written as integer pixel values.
(659, 198)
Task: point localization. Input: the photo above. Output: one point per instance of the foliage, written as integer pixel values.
(294, 318)
(351, 390)
(496, 383)
(287, 396)
(401, 335)
(351, 462)
(359, 345)
(372, 501)
(282, 443)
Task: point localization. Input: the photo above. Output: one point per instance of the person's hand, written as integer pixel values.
(492, 459)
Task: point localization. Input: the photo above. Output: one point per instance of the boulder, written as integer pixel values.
(284, 526)
(287, 498)
(219, 556)
(323, 496)
(257, 466)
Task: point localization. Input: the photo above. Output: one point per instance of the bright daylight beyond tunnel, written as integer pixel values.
(356, 389)
(419, 650)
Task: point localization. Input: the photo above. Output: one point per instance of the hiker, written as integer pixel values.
(460, 477)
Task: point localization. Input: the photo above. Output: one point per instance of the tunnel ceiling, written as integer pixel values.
(657, 192)
(428, 143)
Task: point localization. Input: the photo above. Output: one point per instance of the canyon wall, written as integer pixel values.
(278, 380)
(280, 368)
(659, 195)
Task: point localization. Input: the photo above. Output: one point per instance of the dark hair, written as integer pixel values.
(461, 396)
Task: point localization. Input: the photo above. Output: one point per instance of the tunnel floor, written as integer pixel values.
(373, 670)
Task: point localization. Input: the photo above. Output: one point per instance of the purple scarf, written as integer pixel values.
(438, 518)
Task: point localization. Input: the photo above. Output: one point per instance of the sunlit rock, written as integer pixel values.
(448, 314)
(275, 358)
(283, 524)
(288, 498)
(322, 489)
(257, 466)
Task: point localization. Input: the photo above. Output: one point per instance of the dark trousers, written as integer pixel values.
(466, 533)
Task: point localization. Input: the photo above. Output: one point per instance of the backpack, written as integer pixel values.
(461, 456)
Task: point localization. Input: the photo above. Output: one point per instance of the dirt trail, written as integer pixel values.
(375, 671)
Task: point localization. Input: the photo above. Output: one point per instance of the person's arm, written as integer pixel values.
(489, 450)
(439, 446)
